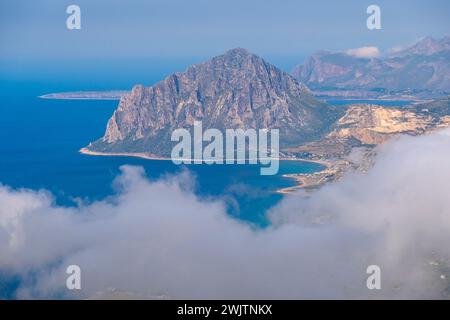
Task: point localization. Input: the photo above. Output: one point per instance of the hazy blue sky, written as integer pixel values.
(283, 31)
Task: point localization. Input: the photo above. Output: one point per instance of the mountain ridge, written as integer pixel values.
(424, 66)
(235, 90)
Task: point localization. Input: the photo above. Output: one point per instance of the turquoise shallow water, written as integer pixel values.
(40, 139)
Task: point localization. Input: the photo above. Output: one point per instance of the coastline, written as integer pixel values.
(308, 180)
(150, 156)
(411, 99)
(147, 156)
(298, 177)
(301, 184)
(80, 98)
(114, 95)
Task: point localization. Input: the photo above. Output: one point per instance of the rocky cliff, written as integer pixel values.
(235, 90)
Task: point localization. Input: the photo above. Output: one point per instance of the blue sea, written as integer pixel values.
(40, 139)
(386, 103)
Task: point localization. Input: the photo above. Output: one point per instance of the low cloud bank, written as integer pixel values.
(157, 238)
(364, 52)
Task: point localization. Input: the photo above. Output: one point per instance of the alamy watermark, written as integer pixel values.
(374, 279)
(73, 21)
(374, 20)
(73, 281)
(241, 146)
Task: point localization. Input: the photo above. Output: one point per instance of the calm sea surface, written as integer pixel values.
(386, 103)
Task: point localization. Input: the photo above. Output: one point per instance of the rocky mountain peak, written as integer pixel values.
(238, 53)
(237, 89)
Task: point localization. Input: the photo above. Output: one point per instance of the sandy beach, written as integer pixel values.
(298, 177)
(147, 156)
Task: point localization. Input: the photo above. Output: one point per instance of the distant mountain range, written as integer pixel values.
(422, 70)
(234, 90)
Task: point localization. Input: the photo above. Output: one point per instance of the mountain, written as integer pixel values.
(234, 90)
(425, 47)
(240, 90)
(425, 66)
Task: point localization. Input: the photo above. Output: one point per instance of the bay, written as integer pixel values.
(40, 139)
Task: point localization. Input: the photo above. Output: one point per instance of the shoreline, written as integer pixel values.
(301, 183)
(301, 178)
(79, 98)
(409, 99)
(113, 95)
(146, 156)
(149, 156)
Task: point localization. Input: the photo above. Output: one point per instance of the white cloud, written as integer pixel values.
(395, 50)
(364, 52)
(157, 238)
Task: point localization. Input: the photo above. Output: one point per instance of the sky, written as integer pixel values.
(284, 32)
